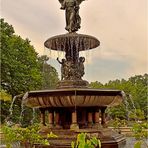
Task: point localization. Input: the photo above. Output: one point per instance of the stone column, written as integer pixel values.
(57, 119)
(90, 119)
(50, 118)
(42, 110)
(83, 120)
(74, 124)
(96, 119)
(103, 122)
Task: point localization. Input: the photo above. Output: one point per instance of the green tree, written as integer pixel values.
(5, 99)
(117, 112)
(20, 69)
(137, 114)
(96, 84)
(28, 137)
(139, 92)
(135, 89)
(49, 73)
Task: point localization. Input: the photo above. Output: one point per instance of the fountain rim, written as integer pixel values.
(76, 91)
(70, 35)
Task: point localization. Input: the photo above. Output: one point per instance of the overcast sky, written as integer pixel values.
(120, 25)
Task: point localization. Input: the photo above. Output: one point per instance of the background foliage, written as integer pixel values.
(22, 70)
(136, 89)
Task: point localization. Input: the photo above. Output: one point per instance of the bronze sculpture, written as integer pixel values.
(62, 62)
(73, 107)
(81, 67)
(71, 70)
(73, 19)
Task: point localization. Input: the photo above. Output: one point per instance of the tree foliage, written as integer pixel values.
(5, 99)
(49, 73)
(83, 141)
(20, 70)
(139, 131)
(135, 89)
(26, 136)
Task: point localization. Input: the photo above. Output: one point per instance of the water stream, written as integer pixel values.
(11, 106)
(132, 102)
(130, 106)
(33, 115)
(127, 108)
(22, 112)
(8, 120)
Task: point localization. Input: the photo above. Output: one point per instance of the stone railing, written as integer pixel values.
(124, 130)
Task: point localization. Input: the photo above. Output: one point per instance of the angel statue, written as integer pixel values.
(73, 19)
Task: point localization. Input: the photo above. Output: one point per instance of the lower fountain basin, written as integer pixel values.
(73, 97)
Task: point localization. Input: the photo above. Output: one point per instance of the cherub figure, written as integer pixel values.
(63, 64)
(69, 68)
(73, 19)
(81, 66)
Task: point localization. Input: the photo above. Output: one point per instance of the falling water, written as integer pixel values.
(88, 57)
(22, 112)
(133, 105)
(128, 106)
(33, 115)
(8, 120)
(11, 106)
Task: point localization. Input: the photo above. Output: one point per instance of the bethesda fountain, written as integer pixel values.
(73, 107)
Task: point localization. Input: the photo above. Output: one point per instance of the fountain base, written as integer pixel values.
(108, 138)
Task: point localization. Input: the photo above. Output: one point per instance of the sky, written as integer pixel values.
(120, 25)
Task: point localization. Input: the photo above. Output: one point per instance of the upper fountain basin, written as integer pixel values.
(80, 42)
(73, 97)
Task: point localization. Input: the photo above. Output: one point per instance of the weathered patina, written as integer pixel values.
(73, 107)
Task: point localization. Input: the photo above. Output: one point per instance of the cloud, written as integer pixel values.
(121, 27)
(106, 69)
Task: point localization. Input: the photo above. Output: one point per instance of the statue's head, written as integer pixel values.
(81, 59)
(63, 60)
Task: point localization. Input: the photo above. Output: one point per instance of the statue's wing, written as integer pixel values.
(61, 1)
(80, 1)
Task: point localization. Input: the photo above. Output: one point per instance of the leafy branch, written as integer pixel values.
(84, 142)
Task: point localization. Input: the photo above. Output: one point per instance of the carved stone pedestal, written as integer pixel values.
(42, 116)
(57, 121)
(90, 119)
(103, 122)
(74, 124)
(50, 119)
(108, 138)
(97, 124)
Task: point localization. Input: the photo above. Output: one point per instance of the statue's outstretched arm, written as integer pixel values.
(62, 4)
(59, 61)
(80, 1)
